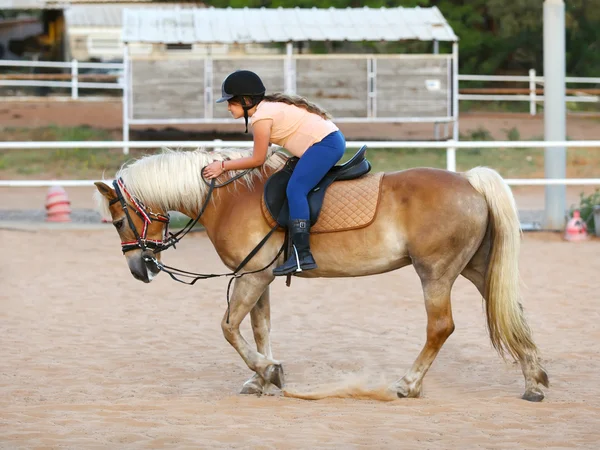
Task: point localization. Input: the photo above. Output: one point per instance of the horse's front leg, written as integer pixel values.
(260, 317)
(246, 293)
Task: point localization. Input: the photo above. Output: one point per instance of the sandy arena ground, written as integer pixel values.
(92, 359)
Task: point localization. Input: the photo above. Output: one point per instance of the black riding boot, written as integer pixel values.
(301, 258)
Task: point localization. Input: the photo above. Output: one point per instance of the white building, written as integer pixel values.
(95, 32)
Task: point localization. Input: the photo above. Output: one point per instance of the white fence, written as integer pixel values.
(75, 85)
(73, 82)
(450, 147)
(531, 96)
(115, 71)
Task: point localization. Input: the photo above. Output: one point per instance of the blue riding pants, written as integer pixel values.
(310, 169)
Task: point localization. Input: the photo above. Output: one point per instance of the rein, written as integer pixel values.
(170, 239)
(175, 238)
(175, 273)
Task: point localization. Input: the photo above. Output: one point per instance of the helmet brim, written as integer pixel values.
(225, 98)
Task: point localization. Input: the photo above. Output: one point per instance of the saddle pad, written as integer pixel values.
(347, 205)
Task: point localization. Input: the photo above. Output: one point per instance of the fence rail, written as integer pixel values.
(532, 94)
(351, 144)
(74, 83)
(450, 147)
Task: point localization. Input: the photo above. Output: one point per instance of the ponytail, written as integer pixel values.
(300, 102)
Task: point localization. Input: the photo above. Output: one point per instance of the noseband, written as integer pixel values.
(147, 216)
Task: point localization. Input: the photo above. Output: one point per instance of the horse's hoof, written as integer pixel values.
(274, 375)
(251, 387)
(533, 395)
(403, 391)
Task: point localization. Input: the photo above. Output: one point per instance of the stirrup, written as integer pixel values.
(295, 265)
(292, 265)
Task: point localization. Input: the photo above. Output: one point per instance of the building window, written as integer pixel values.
(179, 47)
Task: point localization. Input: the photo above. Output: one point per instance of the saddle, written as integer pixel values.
(275, 199)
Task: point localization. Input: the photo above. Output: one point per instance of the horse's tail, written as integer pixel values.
(506, 323)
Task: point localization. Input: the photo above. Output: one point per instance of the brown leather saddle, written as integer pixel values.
(275, 188)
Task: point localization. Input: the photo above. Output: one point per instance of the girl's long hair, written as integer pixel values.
(300, 102)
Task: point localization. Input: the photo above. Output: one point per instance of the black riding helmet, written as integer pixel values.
(243, 83)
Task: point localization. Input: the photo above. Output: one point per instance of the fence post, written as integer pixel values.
(532, 105)
(289, 70)
(127, 84)
(451, 157)
(451, 151)
(371, 87)
(74, 79)
(208, 86)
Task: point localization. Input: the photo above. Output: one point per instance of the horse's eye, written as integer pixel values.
(119, 224)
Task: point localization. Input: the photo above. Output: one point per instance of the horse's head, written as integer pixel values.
(143, 232)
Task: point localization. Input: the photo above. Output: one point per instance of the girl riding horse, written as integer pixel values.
(304, 129)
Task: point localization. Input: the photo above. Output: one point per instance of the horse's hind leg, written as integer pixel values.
(439, 327)
(246, 292)
(260, 317)
(438, 271)
(477, 266)
(533, 372)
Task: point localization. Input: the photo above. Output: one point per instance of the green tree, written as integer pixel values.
(496, 36)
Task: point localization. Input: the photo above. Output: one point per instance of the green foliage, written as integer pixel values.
(479, 134)
(513, 134)
(496, 36)
(586, 208)
(80, 162)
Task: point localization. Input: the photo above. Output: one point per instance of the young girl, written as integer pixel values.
(299, 126)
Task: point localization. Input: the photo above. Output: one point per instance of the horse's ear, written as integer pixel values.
(105, 190)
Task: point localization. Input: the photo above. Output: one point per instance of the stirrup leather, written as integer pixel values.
(298, 266)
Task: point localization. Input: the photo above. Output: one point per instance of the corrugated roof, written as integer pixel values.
(54, 4)
(247, 25)
(109, 15)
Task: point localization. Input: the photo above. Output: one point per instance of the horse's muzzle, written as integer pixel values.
(143, 267)
(151, 264)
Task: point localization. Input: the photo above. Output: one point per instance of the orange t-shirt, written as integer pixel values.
(294, 128)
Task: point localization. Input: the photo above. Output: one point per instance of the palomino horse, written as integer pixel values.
(477, 235)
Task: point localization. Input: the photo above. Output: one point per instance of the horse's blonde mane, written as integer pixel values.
(172, 178)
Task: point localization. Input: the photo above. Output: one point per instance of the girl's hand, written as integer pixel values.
(213, 170)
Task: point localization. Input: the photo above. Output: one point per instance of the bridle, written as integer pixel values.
(146, 214)
(170, 239)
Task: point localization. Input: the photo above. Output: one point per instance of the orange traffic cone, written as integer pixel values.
(58, 207)
(576, 228)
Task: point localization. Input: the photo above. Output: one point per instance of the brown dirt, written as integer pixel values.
(91, 358)
(108, 115)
